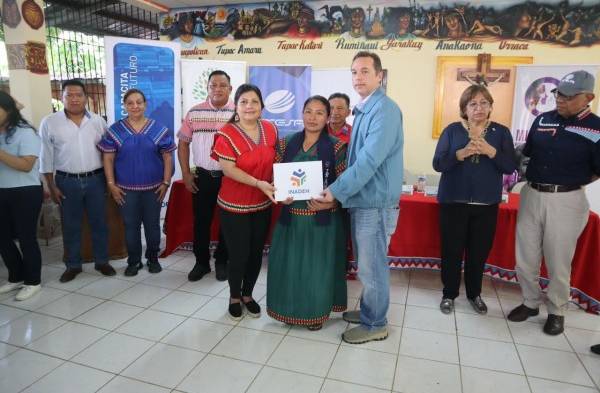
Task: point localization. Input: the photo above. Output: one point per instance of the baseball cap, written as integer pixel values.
(575, 83)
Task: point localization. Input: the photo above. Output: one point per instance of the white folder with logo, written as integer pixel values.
(299, 180)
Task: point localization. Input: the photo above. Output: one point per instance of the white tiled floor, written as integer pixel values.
(163, 334)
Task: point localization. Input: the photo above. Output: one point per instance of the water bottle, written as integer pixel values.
(421, 183)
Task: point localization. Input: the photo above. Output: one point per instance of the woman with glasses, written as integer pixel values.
(472, 156)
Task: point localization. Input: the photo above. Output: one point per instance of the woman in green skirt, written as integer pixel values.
(307, 262)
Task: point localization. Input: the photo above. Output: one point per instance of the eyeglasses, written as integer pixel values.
(482, 105)
(560, 96)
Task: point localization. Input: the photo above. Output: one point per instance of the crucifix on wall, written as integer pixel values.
(484, 74)
(456, 73)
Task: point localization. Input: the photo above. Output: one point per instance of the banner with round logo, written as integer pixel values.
(284, 90)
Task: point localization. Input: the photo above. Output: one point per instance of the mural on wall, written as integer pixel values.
(564, 23)
(10, 13)
(33, 14)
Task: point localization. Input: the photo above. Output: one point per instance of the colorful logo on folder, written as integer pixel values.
(298, 178)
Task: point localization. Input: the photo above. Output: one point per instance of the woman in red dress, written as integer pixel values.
(245, 148)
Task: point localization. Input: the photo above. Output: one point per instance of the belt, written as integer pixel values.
(553, 187)
(218, 173)
(82, 174)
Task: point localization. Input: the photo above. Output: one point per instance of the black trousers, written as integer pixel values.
(465, 230)
(20, 209)
(245, 235)
(204, 202)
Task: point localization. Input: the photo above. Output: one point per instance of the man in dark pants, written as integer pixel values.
(198, 130)
(72, 166)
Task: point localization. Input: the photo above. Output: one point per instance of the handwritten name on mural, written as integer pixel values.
(507, 45)
(241, 50)
(341, 43)
(458, 45)
(303, 45)
(194, 52)
(391, 43)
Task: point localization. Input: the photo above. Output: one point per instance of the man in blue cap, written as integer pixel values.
(564, 150)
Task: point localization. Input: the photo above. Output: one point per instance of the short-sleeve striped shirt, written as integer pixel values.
(199, 127)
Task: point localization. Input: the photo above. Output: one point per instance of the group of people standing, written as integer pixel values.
(233, 151)
(563, 146)
(307, 259)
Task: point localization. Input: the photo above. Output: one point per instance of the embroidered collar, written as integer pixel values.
(132, 130)
(261, 134)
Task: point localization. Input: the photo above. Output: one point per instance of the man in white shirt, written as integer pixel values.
(72, 166)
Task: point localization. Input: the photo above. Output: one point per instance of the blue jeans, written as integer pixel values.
(141, 207)
(84, 194)
(371, 233)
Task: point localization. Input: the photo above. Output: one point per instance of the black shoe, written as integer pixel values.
(253, 309)
(521, 313)
(132, 269)
(447, 305)
(221, 272)
(478, 305)
(106, 269)
(235, 311)
(70, 274)
(154, 266)
(198, 272)
(595, 349)
(555, 324)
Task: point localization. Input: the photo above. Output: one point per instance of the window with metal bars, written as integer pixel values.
(75, 42)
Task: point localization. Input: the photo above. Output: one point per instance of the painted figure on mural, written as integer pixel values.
(563, 23)
(357, 25)
(186, 27)
(403, 31)
(523, 24)
(483, 26)
(302, 28)
(432, 28)
(454, 26)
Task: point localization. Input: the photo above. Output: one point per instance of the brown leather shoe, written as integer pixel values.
(106, 269)
(70, 274)
(521, 313)
(554, 324)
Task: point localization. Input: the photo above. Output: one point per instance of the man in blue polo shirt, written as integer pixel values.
(564, 150)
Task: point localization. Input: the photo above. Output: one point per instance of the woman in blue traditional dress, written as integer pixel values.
(307, 261)
(138, 165)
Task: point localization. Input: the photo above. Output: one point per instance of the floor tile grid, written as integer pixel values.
(95, 341)
(339, 345)
(541, 332)
(579, 357)
(402, 332)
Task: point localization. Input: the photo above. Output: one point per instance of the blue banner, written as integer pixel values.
(284, 90)
(150, 69)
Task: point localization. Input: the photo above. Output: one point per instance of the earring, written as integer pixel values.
(236, 117)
